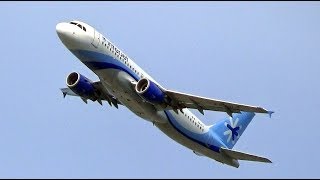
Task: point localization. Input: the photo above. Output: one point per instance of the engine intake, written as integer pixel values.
(149, 91)
(80, 85)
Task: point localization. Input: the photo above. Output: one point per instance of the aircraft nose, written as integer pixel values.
(66, 34)
(61, 29)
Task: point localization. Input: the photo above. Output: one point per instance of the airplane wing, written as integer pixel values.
(67, 91)
(182, 100)
(243, 156)
(102, 95)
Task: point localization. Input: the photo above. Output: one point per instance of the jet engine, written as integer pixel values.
(80, 85)
(150, 92)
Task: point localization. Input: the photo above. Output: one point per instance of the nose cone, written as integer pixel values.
(67, 34)
(72, 35)
(63, 31)
(59, 29)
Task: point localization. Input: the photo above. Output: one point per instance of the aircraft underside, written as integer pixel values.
(118, 83)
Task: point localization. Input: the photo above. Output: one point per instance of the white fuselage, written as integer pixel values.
(118, 73)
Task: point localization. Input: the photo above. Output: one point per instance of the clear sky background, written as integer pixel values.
(257, 53)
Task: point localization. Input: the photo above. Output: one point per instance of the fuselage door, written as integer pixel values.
(96, 39)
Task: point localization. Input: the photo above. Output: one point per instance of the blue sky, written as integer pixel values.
(258, 53)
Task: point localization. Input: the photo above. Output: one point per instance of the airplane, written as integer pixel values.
(123, 82)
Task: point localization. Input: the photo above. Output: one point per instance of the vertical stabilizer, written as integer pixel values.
(230, 129)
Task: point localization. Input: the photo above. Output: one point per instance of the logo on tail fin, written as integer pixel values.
(233, 129)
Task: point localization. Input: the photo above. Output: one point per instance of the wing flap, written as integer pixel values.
(243, 156)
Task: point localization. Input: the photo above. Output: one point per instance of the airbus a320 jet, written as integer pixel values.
(123, 82)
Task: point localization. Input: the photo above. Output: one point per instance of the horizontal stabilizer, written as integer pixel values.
(243, 156)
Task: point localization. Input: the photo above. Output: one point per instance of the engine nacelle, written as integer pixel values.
(80, 85)
(149, 91)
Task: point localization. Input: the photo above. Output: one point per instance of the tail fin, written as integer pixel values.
(230, 129)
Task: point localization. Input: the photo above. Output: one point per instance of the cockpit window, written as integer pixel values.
(79, 25)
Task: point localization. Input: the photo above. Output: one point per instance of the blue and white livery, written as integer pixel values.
(122, 82)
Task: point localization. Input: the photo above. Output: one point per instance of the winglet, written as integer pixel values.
(270, 113)
(63, 90)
